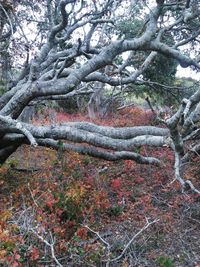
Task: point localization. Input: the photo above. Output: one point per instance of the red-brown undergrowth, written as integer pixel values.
(57, 194)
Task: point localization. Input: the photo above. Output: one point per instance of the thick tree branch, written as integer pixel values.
(102, 154)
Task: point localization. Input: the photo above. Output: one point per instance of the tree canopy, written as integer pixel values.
(81, 44)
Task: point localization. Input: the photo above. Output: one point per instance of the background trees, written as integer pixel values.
(6, 32)
(102, 53)
(87, 48)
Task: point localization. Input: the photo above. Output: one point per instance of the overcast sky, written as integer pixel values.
(181, 72)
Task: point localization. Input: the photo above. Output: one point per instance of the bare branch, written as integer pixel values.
(91, 151)
(16, 125)
(49, 244)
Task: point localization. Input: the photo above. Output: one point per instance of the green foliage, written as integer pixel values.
(2, 88)
(165, 261)
(86, 160)
(162, 70)
(132, 26)
(118, 60)
(71, 211)
(115, 210)
(129, 28)
(96, 256)
(188, 87)
(8, 245)
(12, 163)
(60, 150)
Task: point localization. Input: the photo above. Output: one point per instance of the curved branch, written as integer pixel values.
(120, 133)
(64, 21)
(174, 53)
(8, 18)
(99, 140)
(91, 151)
(13, 125)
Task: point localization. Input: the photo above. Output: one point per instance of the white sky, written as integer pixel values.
(188, 73)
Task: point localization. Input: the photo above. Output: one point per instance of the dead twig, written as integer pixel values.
(108, 246)
(49, 244)
(133, 238)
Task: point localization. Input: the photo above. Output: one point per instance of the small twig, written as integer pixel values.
(34, 201)
(103, 241)
(26, 170)
(98, 235)
(133, 238)
(108, 261)
(51, 245)
(126, 106)
(151, 106)
(178, 177)
(192, 187)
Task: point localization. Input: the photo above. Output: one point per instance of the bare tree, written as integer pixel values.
(81, 43)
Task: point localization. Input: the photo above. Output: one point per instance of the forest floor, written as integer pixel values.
(63, 209)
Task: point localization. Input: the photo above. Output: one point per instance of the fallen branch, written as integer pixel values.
(133, 238)
(98, 237)
(19, 127)
(94, 152)
(108, 246)
(184, 184)
(51, 245)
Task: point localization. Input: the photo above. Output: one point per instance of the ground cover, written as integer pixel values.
(60, 208)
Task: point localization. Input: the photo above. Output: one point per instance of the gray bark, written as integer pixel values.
(65, 63)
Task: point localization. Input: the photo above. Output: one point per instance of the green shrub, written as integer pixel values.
(165, 261)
